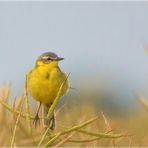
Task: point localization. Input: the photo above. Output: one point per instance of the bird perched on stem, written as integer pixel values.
(43, 83)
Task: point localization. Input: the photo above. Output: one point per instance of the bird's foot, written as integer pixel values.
(36, 120)
(53, 123)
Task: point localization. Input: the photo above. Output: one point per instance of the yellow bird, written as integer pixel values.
(44, 81)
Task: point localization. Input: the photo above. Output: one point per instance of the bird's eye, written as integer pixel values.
(49, 59)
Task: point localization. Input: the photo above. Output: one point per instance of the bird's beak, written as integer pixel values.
(60, 59)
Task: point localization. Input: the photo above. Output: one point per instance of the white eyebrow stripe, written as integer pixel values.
(45, 57)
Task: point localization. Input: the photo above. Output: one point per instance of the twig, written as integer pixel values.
(58, 111)
(52, 140)
(63, 141)
(9, 108)
(15, 127)
(27, 108)
(143, 101)
(102, 135)
(58, 96)
(43, 136)
(108, 126)
(74, 128)
(84, 141)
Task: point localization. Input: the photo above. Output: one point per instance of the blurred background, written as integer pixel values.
(103, 43)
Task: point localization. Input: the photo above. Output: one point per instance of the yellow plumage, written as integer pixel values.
(45, 80)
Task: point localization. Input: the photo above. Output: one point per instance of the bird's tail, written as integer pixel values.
(48, 122)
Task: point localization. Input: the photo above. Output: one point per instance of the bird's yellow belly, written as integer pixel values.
(45, 90)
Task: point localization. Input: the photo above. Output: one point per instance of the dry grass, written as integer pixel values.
(81, 126)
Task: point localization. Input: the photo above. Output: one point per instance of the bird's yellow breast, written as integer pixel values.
(44, 83)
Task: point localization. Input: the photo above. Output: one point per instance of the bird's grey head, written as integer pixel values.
(48, 57)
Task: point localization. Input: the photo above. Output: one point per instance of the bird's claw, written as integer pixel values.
(36, 120)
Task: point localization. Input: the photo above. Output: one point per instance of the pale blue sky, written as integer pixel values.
(99, 40)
